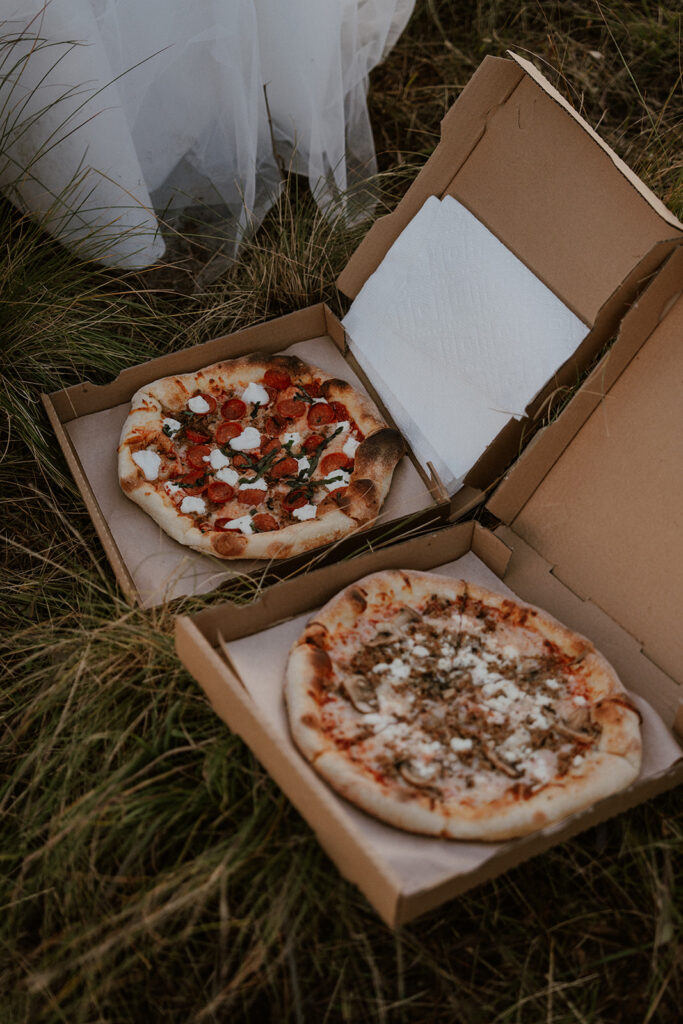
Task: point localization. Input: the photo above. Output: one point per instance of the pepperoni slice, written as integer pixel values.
(191, 478)
(274, 425)
(195, 455)
(210, 401)
(251, 496)
(233, 409)
(241, 462)
(277, 379)
(335, 460)
(264, 522)
(313, 389)
(195, 436)
(320, 413)
(272, 395)
(295, 499)
(313, 442)
(340, 411)
(219, 492)
(273, 445)
(291, 408)
(224, 525)
(284, 467)
(225, 432)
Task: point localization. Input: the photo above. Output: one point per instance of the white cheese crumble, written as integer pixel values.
(537, 719)
(244, 524)
(341, 479)
(419, 651)
(552, 684)
(172, 426)
(581, 701)
(255, 393)
(378, 719)
(198, 404)
(192, 504)
(398, 669)
(227, 475)
(217, 459)
(173, 488)
(539, 768)
(149, 462)
(247, 441)
(254, 485)
(303, 465)
(381, 666)
(350, 447)
(305, 512)
(344, 424)
(293, 435)
(577, 760)
(458, 744)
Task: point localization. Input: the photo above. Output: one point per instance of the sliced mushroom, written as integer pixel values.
(413, 779)
(361, 694)
(392, 628)
(500, 765)
(572, 734)
(573, 716)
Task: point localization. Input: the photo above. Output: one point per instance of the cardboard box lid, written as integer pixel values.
(514, 152)
(599, 494)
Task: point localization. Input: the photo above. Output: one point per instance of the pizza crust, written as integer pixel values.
(337, 516)
(352, 618)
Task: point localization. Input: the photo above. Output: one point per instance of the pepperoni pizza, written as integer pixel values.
(256, 457)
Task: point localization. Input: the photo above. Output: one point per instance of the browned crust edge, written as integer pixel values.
(612, 766)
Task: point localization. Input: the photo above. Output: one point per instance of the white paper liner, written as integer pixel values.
(418, 862)
(458, 334)
(161, 568)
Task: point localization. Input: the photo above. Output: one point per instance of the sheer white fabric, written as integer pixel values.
(116, 110)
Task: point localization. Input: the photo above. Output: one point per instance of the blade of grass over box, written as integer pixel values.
(150, 867)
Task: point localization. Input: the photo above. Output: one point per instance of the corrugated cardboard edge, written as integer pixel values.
(547, 446)
(649, 197)
(123, 577)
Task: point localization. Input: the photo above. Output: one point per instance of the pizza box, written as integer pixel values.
(150, 567)
(542, 183)
(590, 527)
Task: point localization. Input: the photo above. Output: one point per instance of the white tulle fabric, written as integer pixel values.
(117, 113)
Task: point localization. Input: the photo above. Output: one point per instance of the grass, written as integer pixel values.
(150, 868)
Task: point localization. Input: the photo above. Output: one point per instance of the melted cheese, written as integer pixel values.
(149, 462)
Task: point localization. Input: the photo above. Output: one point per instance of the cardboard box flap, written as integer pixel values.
(539, 178)
(608, 514)
(649, 197)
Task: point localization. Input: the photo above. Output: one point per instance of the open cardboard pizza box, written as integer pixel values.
(591, 532)
(540, 181)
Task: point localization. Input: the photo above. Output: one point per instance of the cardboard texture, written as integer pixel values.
(150, 565)
(239, 659)
(609, 514)
(539, 178)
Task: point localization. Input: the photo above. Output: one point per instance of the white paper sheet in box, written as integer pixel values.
(459, 334)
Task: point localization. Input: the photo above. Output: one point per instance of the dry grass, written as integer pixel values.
(151, 869)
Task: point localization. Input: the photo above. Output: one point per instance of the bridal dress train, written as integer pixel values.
(117, 115)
